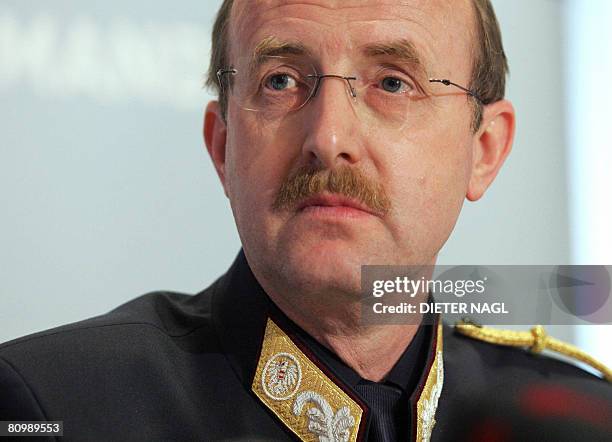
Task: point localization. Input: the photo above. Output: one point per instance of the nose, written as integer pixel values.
(331, 125)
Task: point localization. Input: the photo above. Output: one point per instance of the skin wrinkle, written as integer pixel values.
(310, 267)
(402, 49)
(394, 10)
(350, 19)
(421, 47)
(273, 47)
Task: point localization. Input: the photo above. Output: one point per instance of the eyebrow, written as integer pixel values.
(273, 47)
(402, 50)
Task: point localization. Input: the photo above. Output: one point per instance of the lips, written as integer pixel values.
(334, 201)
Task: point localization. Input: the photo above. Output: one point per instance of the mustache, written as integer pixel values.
(347, 181)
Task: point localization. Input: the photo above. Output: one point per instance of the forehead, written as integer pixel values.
(440, 29)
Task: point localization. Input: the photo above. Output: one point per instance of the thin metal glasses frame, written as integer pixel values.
(318, 78)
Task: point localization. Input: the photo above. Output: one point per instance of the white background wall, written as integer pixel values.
(106, 189)
(588, 64)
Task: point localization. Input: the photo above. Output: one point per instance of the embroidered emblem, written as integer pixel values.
(301, 395)
(322, 421)
(430, 404)
(281, 376)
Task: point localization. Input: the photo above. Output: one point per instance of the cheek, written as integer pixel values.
(257, 162)
(432, 170)
(429, 187)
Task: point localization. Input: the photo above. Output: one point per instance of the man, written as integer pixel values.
(346, 133)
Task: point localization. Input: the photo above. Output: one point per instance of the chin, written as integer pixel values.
(323, 267)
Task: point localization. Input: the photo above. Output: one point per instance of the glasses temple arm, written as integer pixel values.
(450, 83)
(222, 72)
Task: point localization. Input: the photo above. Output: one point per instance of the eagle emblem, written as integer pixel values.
(281, 376)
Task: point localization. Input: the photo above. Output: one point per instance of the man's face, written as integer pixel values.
(421, 169)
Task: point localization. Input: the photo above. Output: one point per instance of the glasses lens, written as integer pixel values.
(274, 85)
(391, 97)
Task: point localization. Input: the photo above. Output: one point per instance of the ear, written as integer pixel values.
(492, 144)
(215, 135)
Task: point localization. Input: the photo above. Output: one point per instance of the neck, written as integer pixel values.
(372, 354)
(371, 351)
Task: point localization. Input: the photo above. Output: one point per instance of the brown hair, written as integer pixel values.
(490, 66)
(489, 69)
(219, 56)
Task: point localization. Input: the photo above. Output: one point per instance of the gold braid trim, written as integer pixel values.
(536, 339)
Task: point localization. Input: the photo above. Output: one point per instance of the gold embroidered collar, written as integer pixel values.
(315, 407)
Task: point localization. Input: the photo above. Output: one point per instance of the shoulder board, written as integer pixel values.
(536, 340)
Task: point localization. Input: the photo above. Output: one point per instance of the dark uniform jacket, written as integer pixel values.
(225, 364)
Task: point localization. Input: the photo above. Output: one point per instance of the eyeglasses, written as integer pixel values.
(276, 87)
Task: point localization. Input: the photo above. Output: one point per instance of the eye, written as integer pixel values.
(395, 85)
(280, 82)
